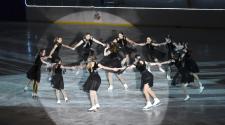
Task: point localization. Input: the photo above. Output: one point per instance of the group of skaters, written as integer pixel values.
(119, 55)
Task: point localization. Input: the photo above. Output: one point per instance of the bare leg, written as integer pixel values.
(187, 97)
(147, 97)
(109, 76)
(153, 95)
(159, 66)
(122, 80)
(57, 95)
(96, 100)
(27, 85)
(92, 98)
(35, 88)
(201, 88)
(145, 90)
(197, 79)
(64, 95)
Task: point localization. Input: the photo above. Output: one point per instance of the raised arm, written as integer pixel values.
(98, 42)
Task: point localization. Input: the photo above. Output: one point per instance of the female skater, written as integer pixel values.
(146, 82)
(125, 46)
(154, 54)
(172, 47)
(112, 60)
(192, 67)
(186, 70)
(34, 73)
(54, 53)
(58, 82)
(93, 81)
(86, 44)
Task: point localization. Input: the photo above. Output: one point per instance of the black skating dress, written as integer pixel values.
(146, 76)
(85, 50)
(93, 81)
(34, 73)
(124, 47)
(112, 60)
(171, 50)
(153, 53)
(190, 63)
(57, 78)
(55, 55)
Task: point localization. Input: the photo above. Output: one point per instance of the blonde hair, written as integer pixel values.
(90, 61)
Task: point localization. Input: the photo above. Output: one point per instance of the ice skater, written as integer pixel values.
(146, 82)
(125, 47)
(86, 46)
(111, 59)
(34, 73)
(152, 54)
(54, 53)
(93, 81)
(57, 80)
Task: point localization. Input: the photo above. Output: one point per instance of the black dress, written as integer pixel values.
(171, 49)
(93, 81)
(153, 53)
(186, 76)
(177, 77)
(190, 63)
(112, 60)
(85, 50)
(55, 55)
(34, 73)
(124, 47)
(57, 78)
(146, 76)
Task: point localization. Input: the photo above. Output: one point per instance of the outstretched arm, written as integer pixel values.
(98, 42)
(167, 62)
(43, 60)
(152, 64)
(77, 45)
(156, 44)
(130, 41)
(110, 69)
(140, 44)
(66, 46)
(131, 67)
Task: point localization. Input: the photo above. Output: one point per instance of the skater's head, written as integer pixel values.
(42, 52)
(148, 39)
(91, 63)
(168, 39)
(120, 35)
(87, 36)
(58, 39)
(58, 61)
(137, 58)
